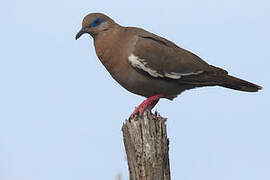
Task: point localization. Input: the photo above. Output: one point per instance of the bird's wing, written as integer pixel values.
(163, 59)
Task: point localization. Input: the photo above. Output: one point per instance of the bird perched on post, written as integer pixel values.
(152, 66)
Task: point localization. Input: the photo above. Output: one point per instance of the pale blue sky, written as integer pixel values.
(61, 112)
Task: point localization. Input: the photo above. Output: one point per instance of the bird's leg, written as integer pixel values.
(149, 102)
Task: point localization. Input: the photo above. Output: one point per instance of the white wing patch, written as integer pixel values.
(136, 62)
(175, 75)
(141, 64)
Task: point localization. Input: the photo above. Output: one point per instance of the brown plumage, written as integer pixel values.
(149, 65)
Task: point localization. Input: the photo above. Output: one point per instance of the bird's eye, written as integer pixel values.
(96, 22)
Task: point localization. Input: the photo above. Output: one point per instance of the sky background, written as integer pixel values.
(61, 113)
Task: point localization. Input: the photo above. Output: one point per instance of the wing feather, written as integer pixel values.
(161, 58)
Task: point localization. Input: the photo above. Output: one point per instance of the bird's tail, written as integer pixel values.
(220, 77)
(238, 84)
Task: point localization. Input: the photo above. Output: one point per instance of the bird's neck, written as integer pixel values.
(105, 42)
(110, 46)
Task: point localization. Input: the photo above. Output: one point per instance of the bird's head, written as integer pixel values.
(94, 24)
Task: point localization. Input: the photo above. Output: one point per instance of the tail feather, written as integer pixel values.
(219, 77)
(238, 84)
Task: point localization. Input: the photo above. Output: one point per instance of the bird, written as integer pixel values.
(152, 66)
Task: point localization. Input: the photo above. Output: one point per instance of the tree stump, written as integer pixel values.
(147, 147)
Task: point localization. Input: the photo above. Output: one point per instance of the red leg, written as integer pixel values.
(152, 105)
(149, 102)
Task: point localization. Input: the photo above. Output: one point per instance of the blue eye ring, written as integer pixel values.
(96, 22)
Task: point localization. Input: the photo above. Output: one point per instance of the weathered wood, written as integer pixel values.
(147, 147)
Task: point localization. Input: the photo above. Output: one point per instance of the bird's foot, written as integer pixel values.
(149, 102)
(155, 115)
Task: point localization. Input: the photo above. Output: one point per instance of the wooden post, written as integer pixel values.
(147, 147)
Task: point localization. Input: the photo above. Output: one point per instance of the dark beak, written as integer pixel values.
(80, 33)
